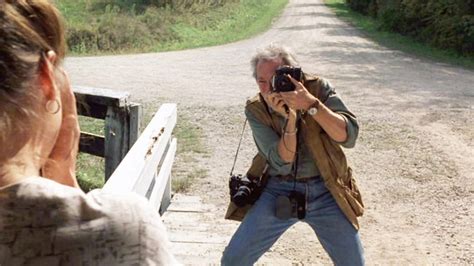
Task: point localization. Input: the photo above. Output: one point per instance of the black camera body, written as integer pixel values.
(244, 190)
(292, 206)
(281, 83)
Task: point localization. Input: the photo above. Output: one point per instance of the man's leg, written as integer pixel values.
(336, 234)
(259, 230)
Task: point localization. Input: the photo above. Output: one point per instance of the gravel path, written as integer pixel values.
(414, 159)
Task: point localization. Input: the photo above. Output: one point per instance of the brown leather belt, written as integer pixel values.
(299, 179)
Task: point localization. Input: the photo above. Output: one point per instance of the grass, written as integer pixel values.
(96, 28)
(183, 183)
(190, 147)
(235, 21)
(90, 171)
(90, 168)
(396, 41)
(189, 136)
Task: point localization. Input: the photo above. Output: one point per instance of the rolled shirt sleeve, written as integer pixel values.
(267, 144)
(335, 103)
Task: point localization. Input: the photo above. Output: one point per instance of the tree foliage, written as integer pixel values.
(447, 24)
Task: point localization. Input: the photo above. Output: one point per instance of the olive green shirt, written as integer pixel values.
(267, 139)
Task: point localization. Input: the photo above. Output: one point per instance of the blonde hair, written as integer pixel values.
(28, 30)
(271, 52)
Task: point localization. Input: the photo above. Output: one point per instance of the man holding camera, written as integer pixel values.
(298, 124)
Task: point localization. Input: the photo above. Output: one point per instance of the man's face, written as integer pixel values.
(265, 71)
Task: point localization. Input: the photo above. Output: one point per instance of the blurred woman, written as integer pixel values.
(45, 219)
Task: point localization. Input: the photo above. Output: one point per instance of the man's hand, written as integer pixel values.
(300, 98)
(61, 164)
(276, 102)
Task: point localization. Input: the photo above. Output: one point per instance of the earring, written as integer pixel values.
(52, 107)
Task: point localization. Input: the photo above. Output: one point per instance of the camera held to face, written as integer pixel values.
(281, 83)
(243, 190)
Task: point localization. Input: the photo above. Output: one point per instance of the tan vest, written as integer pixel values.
(327, 154)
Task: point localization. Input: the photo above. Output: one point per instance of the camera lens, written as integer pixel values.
(241, 197)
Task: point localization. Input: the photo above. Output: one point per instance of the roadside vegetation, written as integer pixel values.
(128, 26)
(437, 29)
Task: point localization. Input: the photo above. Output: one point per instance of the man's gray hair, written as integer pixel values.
(272, 52)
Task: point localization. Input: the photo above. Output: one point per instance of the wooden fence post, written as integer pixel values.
(116, 138)
(136, 112)
(121, 127)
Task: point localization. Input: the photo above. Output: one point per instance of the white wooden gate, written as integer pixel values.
(146, 168)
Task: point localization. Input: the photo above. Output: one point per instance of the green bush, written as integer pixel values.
(113, 31)
(361, 6)
(390, 19)
(158, 21)
(82, 39)
(447, 24)
(117, 31)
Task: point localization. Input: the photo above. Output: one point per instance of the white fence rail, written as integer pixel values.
(146, 168)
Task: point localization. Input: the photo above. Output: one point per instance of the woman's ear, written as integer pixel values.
(47, 76)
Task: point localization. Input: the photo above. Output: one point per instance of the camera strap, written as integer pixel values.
(238, 147)
(295, 163)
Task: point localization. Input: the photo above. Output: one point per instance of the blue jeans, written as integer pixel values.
(260, 228)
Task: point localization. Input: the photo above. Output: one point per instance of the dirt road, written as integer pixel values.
(414, 158)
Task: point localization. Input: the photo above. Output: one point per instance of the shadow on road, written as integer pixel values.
(312, 14)
(307, 5)
(312, 27)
